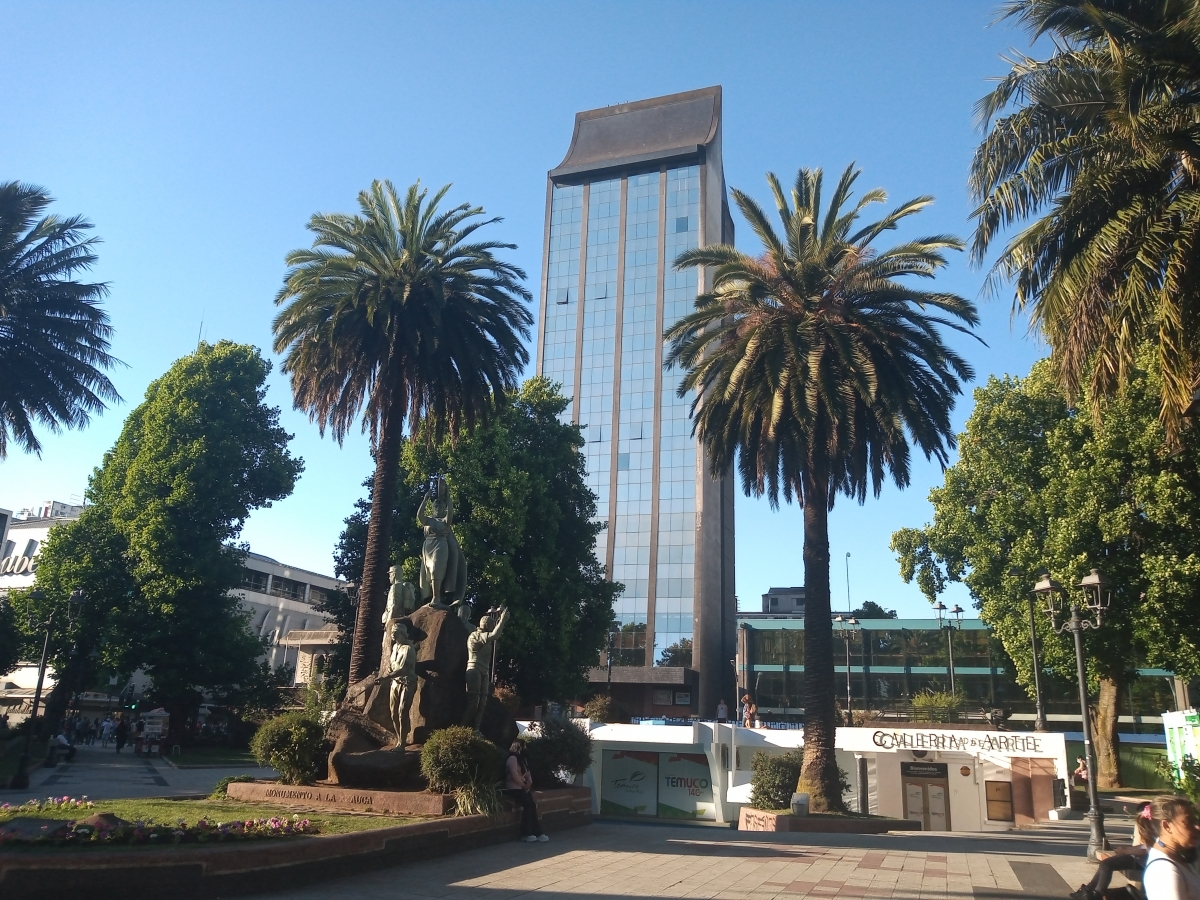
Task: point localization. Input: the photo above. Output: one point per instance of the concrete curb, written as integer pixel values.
(198, 872)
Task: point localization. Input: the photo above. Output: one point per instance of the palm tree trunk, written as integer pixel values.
(372, 591)
(1104, 732)
(819, 772)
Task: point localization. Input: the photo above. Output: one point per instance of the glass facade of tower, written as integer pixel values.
(641, 183)
(603, 343)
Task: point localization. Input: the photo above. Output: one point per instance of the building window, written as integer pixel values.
(681, 224)
(254, 581)
(999, 801)
(317, 596)
(622, 462)
(286, 588)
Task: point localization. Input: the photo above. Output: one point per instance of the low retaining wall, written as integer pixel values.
(761, 820)
(195, 872)
(399, 803)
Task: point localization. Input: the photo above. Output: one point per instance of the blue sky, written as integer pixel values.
(199, 138)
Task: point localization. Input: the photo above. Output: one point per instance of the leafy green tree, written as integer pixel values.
(817, 370)
(154, 551)
(1039, 484)
(12, 638)
(1098, 146)
(398, 309)
(523, 514)
(53, 334)
(872, 610)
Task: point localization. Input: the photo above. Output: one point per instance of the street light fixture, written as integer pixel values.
(848, 624)
(1097, 598)
(949, 627)
(1039, 722)
(20, 780)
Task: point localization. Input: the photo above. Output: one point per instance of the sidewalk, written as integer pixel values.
(103, 774)
(612, 859)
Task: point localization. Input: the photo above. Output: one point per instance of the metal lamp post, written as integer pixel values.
(20, 780)
(1097, 598)
(1039, 722)
(948, 626)
(848, 624)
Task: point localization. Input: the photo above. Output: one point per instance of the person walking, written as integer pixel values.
(122, 733)
(518, 784)
(1129, 860)
(139, 736)
(1170, 873)
(106, 731)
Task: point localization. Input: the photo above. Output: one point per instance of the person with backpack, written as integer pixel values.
(1170, 872)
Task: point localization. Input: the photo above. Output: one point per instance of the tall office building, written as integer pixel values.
(641, 183)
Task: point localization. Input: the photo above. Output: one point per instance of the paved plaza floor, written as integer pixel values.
(101, 773)
(628, 860)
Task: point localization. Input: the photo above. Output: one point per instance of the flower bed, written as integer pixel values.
(22, 824)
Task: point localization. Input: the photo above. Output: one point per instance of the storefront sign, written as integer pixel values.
(629, 783)
(922, 770)
(18, 565)
(685, 786)
(961, 742)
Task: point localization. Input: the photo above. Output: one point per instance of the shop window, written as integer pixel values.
(999, 801)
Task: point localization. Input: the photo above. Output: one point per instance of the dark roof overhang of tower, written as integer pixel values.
(631, 134)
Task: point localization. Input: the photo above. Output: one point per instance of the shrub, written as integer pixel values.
(556, 748)
(774, 779)
(603, 708)
(936, 706)
(1185, 780)
(508, 698)
(292, 744)
(219, 792)
(458, 760)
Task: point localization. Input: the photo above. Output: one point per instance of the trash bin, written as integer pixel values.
(799, 804)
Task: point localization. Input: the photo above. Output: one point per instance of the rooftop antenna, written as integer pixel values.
(200, 330)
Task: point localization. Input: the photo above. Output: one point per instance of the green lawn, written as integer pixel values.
(192, 811)
(212, 757)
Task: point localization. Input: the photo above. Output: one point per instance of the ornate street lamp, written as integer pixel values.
(1097, 599)
(848, 625)
(1039, 722)
(20, 780)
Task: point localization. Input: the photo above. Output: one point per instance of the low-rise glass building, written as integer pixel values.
(894, 661)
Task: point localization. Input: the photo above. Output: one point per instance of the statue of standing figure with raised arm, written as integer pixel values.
(402, 674)
(443, 566)
(481, 652)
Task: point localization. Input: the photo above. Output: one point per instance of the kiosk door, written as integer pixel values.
(926, 795)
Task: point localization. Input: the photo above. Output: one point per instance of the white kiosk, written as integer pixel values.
(947, 779)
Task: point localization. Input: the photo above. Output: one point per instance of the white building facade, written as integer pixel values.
(281, 599)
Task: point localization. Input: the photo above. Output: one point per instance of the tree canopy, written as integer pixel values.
(54, 337)
(153, 550)
(523, 515)
(1041, 484)
(1097, 145)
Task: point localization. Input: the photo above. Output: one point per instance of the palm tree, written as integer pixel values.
(397, 311)
(1099, 145)
(54, 338)
(813, 369)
